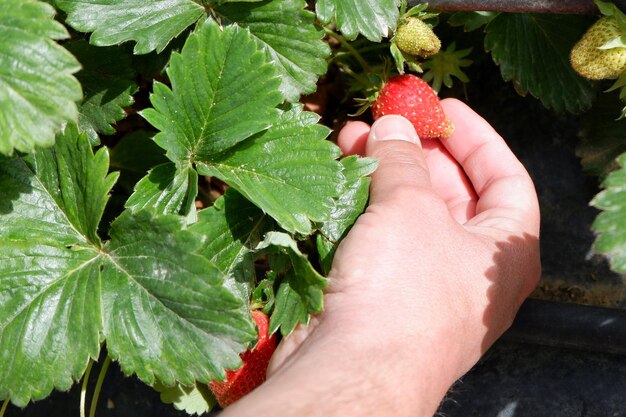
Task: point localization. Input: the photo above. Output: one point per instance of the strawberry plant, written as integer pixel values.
(162, 173)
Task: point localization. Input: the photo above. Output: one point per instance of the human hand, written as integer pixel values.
(427, 279)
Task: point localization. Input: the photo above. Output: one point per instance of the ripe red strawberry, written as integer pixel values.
(412, 97)
(252, 373)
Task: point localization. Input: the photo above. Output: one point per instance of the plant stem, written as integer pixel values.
(83, 388)
(5, 404)
(96, 392)
(350, 49)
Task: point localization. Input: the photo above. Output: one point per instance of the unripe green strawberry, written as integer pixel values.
(599, 64)
(415, 37)
(252, 373)
(412, 97)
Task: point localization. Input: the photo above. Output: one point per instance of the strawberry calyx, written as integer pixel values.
(448, 63)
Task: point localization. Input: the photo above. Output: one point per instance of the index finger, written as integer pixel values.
(506, 194)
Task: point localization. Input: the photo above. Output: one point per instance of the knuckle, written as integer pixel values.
(415, 196)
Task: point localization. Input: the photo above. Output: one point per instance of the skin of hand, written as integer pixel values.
(427, 279)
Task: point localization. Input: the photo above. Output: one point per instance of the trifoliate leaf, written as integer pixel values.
(611, 222)
(108, 81)
(151, 24)
(289, 37)
(603, 138)
(223, 91)
(533, 51)
(146, 292)
(231, 230)
(134, 155)
(300, 293)
(372, 19)
(348, 207)
(289, 171)
(195, 399)
(37, 89)
(166, 189)
(158, 294)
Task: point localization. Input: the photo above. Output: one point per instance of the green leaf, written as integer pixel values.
(158, 294)
(263, 295)
(223, 91)
(57, 194)
(611, 222)
(231, 230)
(372, 19)
(289, 37)
(146, 292)
(533, 51)
(398, 57)
(610, 9)
(49, 301)
(605, 7)
(108, 81)
(151, 24)
(348, 207)
(603, 138)
(37, 89)
(618, 42)
(289, 171)
(134, 155)
(166, 189)
(471, 20)
(195, 399)
(300, 293)
(49, 317)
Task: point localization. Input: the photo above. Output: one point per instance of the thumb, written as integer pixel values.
(394, 143)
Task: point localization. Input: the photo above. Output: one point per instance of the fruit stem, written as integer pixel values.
(365, 81)
(349, 48)
(4, 407)
(96, 391)
(83, 388)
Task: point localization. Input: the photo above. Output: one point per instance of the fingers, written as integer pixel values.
(449, 181)
(353, 138)
(401, 163)
(447, 178)
(507, 197)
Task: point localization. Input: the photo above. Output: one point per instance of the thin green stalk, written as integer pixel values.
(5, 404)
(96, 391)
(359, 77)
(350, 49)
(373, 47)
(83, 388)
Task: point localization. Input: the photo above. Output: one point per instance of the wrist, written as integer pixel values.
(409, 366)
(343, 368)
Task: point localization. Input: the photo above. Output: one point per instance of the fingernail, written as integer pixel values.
(393, 127)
